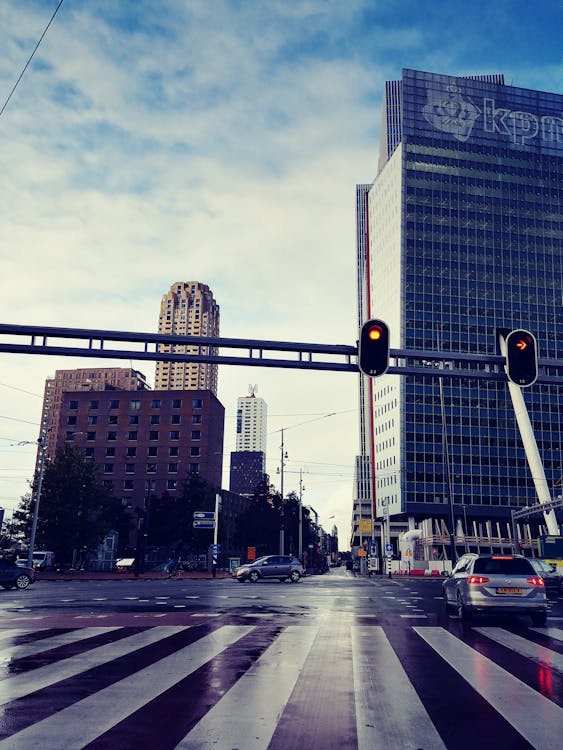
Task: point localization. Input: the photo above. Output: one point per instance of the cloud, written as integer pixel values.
(219, 141)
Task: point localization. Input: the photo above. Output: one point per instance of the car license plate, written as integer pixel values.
(504, 590)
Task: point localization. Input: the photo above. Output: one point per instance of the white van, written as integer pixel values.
(43, 560)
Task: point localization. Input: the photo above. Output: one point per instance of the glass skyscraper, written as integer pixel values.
(463, 235)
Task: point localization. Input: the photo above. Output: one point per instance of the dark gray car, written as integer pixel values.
(15, 575)
(551, 576)
(506, 584)
(281, 567)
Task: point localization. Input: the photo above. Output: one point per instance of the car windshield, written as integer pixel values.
(503, 566)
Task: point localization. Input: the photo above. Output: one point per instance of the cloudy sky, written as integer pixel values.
(154, 141)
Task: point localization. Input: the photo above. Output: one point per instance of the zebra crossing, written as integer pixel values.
(273, 683)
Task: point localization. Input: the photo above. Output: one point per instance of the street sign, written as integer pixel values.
(204, 524)
(201, 514)
(388, 547)
(365, 524)
(215, 547)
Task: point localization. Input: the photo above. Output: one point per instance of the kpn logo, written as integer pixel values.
(448, 111)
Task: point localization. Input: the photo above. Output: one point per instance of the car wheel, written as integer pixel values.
(462, 612)
(294, 576)
(22, 581)
(253, 576)
(447, 604)
(539, 618)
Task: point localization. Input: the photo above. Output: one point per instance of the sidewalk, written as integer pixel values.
(155, 575)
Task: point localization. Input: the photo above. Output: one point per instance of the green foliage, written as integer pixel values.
(170, 520)
(76, 509)
(260, 525)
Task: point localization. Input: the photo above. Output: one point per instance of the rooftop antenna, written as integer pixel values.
(253, 390)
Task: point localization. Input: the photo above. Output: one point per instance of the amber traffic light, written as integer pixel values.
(373, 348)
(521, 358)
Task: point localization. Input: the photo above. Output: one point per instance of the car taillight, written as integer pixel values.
(477, 579)
(536, 581)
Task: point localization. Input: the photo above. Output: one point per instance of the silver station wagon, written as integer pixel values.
(500, 584)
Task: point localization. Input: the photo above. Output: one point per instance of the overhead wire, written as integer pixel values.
(14, 87)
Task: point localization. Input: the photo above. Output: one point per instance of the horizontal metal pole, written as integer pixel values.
(402, 362)
(537, 508)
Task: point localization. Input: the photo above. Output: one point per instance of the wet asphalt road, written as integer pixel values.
(333, 661)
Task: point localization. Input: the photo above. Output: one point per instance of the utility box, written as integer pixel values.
(551, 546)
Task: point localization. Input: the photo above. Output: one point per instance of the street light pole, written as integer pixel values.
(282, 519)
(43, 446)
(447, 472)
(301, 488)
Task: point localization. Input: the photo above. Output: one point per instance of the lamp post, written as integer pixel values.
(43, 447)
(301, 490)
(282, 518)
(447, 470)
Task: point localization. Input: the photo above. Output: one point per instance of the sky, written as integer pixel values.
(155, 141)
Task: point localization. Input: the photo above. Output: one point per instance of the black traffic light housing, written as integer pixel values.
(373, 348)
(521, 358)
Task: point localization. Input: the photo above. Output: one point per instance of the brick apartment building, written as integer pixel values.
(146, 441)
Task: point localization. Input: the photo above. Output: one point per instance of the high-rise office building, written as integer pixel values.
(252, 423)
(248, 462)
(188, 309)
(462, 234)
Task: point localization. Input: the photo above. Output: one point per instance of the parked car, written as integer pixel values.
(495, 584)
(281, 567)
(42, 560)
(15, 575)
(551, 576)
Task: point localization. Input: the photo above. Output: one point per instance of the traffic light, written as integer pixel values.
(521, 358)
(373, 348)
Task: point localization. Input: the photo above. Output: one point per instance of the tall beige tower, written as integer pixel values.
(188, 309)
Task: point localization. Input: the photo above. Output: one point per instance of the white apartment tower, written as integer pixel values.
(252, 419)
(188, 309)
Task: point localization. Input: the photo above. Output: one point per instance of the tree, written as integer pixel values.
(76, 509)
(171, 518)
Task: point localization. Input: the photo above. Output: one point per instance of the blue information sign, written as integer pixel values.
(205, 523)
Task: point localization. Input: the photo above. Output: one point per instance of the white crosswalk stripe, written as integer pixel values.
(226, 725)
(536, 718)
(523, 646)
(84, 721)
(389, 713)
(37, 647)
(29, 682)
(257, 703)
